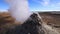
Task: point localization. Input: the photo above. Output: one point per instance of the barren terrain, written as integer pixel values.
(50, 19)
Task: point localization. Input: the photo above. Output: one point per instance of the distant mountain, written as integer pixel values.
(3, 11)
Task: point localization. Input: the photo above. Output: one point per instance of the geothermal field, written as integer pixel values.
(20, 20)
(50, 19)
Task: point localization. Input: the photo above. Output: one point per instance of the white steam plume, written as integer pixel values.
(19, 9)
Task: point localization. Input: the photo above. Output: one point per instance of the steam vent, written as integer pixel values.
(19, 9)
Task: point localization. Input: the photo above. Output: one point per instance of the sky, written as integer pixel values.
(36, 5)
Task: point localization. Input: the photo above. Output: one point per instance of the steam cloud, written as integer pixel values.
(19, 9)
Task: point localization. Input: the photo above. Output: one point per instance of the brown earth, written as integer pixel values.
(6, 18)
(52, 20)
